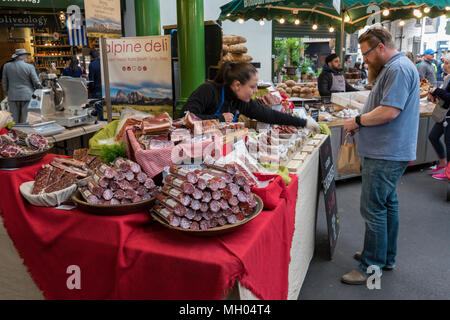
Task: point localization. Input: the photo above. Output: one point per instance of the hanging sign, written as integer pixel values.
(103, 18)
(28, 20)
(140, 74)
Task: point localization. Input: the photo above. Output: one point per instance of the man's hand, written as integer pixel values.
(350, 126)
(312, 125)
(228, 116)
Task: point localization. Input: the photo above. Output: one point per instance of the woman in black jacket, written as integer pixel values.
(442, 128)
(230, 94)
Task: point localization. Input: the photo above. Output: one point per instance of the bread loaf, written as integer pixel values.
(231, 39)
(290, 83)
(237, 48)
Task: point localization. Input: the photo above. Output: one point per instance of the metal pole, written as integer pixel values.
(148, 17)
(341, 53)
(105, 77)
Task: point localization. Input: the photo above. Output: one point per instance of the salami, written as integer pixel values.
(240, 179)
(234, 201)
(197, 217)
(101, 180)
(146, 197)
(124, 185)
(232, 219)
(134, 184)
(134, 167)
(222, 221)
(107, 171)
(216, 195)
(227, 194)
(204, 207)
(167, 215)
(130, 194)
(88, 196)
(234, 188)
(204, 225)
(206, 196)
(214, 205)
(108, 194)
(187, 187)
(195, 225)
(245, 208)
(177, 194)
(207, 216)
(169, 202)
(195, 204)
(187, 175)
(114, 185)
(190, 214)
(246, 188)
(149, 183)
(224, 204)
(120, 176)
(185, 223)
(240, 216)
(242, 196)
(122, 165)
(227, 213)
(119, 194)
(125, 201)
(220, 174)
(229, 168)
(197, 194)
(129, 175)
(136, 199)
(141, 190)
(209, 180)
(141, 177)
(94, 188)
(213, 223)
(114, 201)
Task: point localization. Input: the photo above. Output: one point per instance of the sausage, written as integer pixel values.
(216, 195)
(242, 196)
(240, 216)
(141, 190)
(213, 223)
(146, 197)
(222, 221)
(245, 208)
(122, 165)
(114, 185)
(129, 175)
(206, 196)
(195, 225)
(220, 174)
(124, 185)
(198, 194)
(201, 184)
(198, 216)
(234, 201)
(214, 205)
(246, 188)
(149, 183)
(227, 212)
(136, 199)
(226, 194)
(224, 204)
(95, 189)
(240, 179)
(232, 219)
(207, 216)
(177, 194)
(185, 223)
(190, 214)
(204, 207)
(211, 181)
(130, 194)
(108, 194)
(120, 176)
(134, 184)
(195, 204)
(134, 167)
(101, 180)
(235, 209)
(114, 201)
(204, 225)
(119, 194)
(169, 202)
(107, 171)
(141, 177)
(234, 188)
(228, 168)
(167, 215)
(187, 175)
(88, 196)
(125, 201)
(187, 187)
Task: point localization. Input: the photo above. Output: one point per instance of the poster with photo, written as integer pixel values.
(140, 74)
(103, 18)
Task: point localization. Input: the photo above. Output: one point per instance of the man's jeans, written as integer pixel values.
(379, 208)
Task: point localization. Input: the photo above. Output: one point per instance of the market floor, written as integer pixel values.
(423, 261)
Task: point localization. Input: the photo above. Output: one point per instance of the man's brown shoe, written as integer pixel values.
(354, 277)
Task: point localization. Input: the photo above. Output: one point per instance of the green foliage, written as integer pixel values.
(110, 152)
(288, 50)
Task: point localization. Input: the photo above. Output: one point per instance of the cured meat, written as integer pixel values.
(224, 204)
(114, 201)
(136, 198)
(195, 204)
(207, 216)
(235, 209)
(141, 190)
(197, 194)
(187, 187)
(114, 185)
(64, 182)
(167, 214)
(134, 167)
(107, 171)
(204, 207)
(41, 179)
(242, 172)
(214, 205)
(108, 194)
(177, 194)
(36, 141)
(232, 219)
(227, 178)
(206, 196)
(134, 184)
(88, 196)
(190, 214)
(169, 202)
(204, 225)
(10, 151)
(213, 223)
(124, 185)
(122, 165)
(216, 195)
(185, 223)
(195, 225)
(242, 196)
(130, 194)
(6, 139)
(146, 197)
(185, 174)
(74, 170)
(222, 221)
(149, 183)
(210, 181)
(119, 194)
(94, 188)
(101, 180)
(234, 188)
(141, 177)
(234, 201)
(71, 162)
(129, 175)
(55, 176)
(156, 124)
(197, 217)
(226, 194)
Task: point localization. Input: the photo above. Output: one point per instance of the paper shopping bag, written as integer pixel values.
(348, 160)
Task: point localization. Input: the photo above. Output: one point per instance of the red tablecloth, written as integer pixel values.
(131, 257)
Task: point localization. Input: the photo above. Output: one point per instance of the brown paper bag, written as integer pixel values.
(348, 160)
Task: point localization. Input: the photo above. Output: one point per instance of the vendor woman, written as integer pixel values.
(230, 94)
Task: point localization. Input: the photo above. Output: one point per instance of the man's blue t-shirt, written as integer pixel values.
(397, 86)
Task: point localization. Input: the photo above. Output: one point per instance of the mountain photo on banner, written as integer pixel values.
(103, 18)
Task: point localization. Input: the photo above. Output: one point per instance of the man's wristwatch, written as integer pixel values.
(358, 120)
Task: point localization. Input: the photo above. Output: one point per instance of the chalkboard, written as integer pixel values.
(328, 172)
(315, 114)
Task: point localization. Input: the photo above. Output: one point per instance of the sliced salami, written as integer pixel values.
(195, 204)
(114, 185)
(119, 194)
(185, 223)
(120, 176)
(206, 196)
(197, 194)
(149, 183)
(233, 201)
(242, 196)
(216, 195)
(108, 194)
(214, 205)
(204, 207)
(141, 177)
(234, 188)
(195, 225)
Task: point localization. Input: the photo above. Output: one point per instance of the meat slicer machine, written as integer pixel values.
(63, 100)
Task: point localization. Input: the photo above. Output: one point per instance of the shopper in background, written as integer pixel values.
(331, 78)
(443, 127)
(427, 68)
(19, 80)
(73, 70)
(347, 62)
(419, 60)
(440, 71)
(388, 128)
(95, 81)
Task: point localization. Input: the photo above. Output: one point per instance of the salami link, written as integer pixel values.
(206, 196)
(201, 184)
(187, 175)
(195, 225)
(242, 196)
(88, 196)
(245, 208)
(169, 202)
(232, 219)
(204, 225)
(146, 197)
(216, 195)
(228, 168)
(124, 185)
(114, 185)
(234, 201)
(222, 175)
(129, 175)
(119, 194)
(178, 195)
(226, 194)
(149, 183)
(107, 171)
(185, 223)
(190, 214)
(134, 167)
(213, 223)
(224, 204)
(240, 216)
(187, 187)
(134, 184)
(125, 201)
(235, 209)
(122, 165)
(141, 177)
(211, 181)
(207, 216)
(130, 194)
(204, 207)
(136, 199)
(246, 188)
(167, 215)
(234, 188)
(120, 176)
(114, 201)
(141, 190)
(101, 180)
(240, 179)
(108, 194)
(214, 205)
(195, 205)
(94, 188)
(227, 213)
(198, 194)
(222, 221)
(197, 217)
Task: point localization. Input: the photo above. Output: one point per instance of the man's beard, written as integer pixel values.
(374, 71)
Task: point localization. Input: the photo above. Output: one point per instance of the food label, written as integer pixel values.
(175, 193)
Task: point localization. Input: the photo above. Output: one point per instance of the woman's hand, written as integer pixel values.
(228, 116)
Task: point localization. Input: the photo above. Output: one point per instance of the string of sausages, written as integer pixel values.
(202, 199)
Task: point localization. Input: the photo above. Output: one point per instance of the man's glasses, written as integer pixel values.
(371, 49)
(376, 36)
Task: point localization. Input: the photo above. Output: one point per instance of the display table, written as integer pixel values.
(131, 257)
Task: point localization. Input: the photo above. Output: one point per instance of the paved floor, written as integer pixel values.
(423, 259)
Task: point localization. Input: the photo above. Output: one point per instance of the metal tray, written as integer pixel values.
(111, 210)
(217, 230)
(9, 163)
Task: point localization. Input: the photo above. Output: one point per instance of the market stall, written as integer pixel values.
(134, 239)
